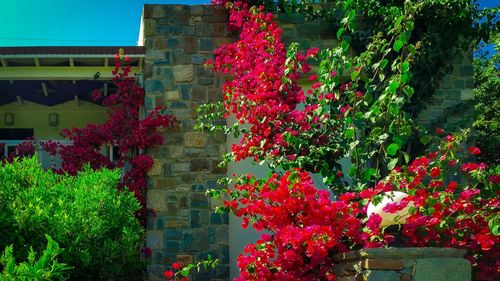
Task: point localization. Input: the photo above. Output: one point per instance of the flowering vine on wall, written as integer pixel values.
(353, 111)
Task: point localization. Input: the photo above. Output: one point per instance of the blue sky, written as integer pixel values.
(73, 22)
(80, 23)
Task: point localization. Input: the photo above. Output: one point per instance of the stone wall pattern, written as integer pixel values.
(178, 40)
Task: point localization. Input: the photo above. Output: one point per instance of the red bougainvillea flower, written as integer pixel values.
(474, 150)
(169, 274)
(176, 265)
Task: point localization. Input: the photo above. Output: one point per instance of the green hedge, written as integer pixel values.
(91, 220)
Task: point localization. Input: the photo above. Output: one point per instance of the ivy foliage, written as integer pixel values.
(446, 31)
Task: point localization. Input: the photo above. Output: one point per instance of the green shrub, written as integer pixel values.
(487, 103)
(45, 268)
(93, 221)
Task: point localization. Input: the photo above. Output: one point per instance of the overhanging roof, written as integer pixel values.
(51, 75)
(64, 63)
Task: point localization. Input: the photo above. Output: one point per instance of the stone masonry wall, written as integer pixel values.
(451, 105)
(178, 40)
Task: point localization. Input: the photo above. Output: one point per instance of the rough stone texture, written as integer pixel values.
(403, 264)
(179, 39)
(451, 105)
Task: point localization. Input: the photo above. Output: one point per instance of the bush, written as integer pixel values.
(45, 268)
(93, 221)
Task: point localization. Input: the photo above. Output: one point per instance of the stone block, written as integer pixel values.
(216, 29)
(168, 29)
(201, 28)
(195, 152)
(200, 164)
(453, 94)
(383, 275)
(184, 259)
(194, 218)
(172, 246)
(199, 201)
(165, 183)
(149, 26)
(205, 81)
(199, 58)
(153, 86)
(180, 167)
(168, 79)
(433, 269)
(183, 73)
(176, 151)
(178, 104)
(188, 30)
(198, 187)
(190, 45)
(155, 170)
(156, 200)
(173, 234)
(466, 70)
(154, 239)
(214, 94)
(158, 11)
(206, 44)
(185, 91)
(178, 57)
(405, 277)
(155, 272)
(172, 209)
(172, 95)
(389, 264)
(197, 10)
(466, 94)
(195, 139)
(173, 42)
(199, 94)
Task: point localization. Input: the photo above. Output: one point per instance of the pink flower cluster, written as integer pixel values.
(306, 226)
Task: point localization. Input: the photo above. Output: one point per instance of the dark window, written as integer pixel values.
(16, 134)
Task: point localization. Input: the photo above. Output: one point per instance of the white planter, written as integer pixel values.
(390, 218)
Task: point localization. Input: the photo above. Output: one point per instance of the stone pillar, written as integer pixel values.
(178, 39)
(403, 264)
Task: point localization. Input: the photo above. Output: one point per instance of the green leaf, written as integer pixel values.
(369, 173)
(354, 75)
(185, 271)
(398, 21)
(393, 86)
(495, 230)
(352, 170)
(339, 32)
(397, 45)
(405, 67)
(349, 133)
(393, 149)
(400, 140)
(392, 164)
(384, 63)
